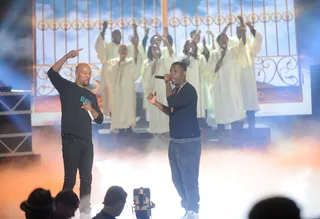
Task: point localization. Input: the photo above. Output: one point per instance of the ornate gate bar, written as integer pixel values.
(64, 25)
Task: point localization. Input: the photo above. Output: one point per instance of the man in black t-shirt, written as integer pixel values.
(185, 143)
(113, 203)
(77, 103)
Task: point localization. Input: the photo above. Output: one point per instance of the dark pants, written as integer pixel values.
(251, 118)
(78, 154)
(184, 161)
(236, 132)
(236, 127)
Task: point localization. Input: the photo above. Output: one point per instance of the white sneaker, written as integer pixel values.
(190, 215)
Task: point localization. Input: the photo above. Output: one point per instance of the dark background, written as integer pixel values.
(16, 21)
(308, 29)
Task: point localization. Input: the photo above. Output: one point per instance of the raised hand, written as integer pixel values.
(160, 36)
(152, 98)
(73, 53)
(146, 30)
(224, 31)
(105, 25)
(134, 40)
(134, 26)
(204, 41)
(240, 19)
(165, 32)
(249, 24)
(209, 32)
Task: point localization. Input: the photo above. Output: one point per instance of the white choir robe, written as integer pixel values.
(144, 54)
(195, 76)
(158, 121)
(105, 52)
(228, 104)
(248, 73)
(200, 47)
(206, 85)
(140, 48)
(121, 80)
(209, 92)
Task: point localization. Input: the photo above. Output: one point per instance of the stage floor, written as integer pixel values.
(231, 179)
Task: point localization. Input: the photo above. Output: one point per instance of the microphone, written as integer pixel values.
(159, 77)
(90, 114)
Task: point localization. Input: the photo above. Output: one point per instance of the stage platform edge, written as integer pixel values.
(259, 137)
(20, 160)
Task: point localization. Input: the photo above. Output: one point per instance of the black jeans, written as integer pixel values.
(184, 158)
(251, 118)
(78, 154)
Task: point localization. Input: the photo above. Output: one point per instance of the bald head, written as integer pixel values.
(123, 47)
(82, 66)
(83, 74)
(116, 36)
(123, 52)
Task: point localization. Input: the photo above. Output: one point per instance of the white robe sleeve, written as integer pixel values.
(101, 49)
(202, 65)
(239, 52)
(112, 71)
(168, 60)
(146, 75)
(165, 52)
(137, 67)
(131, 50)
(210, 46)
(209, 73)
(257, 42)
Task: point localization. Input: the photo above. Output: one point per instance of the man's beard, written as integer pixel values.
(85, 84)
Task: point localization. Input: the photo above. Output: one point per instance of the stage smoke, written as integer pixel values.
(14, 48)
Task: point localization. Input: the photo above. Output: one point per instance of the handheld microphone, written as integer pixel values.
(90, 114)
(159, 77)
